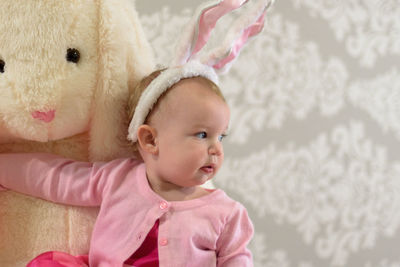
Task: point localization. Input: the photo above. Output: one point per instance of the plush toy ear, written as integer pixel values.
(124, 58)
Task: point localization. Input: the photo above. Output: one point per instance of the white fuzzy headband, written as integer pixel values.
(190, 62)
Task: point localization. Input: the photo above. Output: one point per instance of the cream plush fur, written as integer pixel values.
(88, 99)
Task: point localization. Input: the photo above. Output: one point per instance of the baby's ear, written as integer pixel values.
(146, 138)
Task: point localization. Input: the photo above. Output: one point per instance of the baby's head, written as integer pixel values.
(181, 133)
(181, 117)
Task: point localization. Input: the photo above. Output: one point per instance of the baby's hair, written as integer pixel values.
(145, 82)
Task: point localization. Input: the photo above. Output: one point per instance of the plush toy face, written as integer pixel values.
(48, 68)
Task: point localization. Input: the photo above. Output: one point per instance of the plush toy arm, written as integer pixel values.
(53, 178)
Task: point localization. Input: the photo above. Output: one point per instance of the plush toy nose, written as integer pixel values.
(44, 116)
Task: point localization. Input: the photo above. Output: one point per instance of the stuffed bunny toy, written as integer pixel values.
(66, 69)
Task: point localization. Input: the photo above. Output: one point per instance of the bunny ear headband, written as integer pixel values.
(190, 62)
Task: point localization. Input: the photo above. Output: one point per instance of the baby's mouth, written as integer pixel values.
(208, 168)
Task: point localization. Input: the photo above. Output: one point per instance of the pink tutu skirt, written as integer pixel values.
(58, 259)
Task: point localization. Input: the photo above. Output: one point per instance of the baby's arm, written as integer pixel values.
(232, 244)
(53, 178)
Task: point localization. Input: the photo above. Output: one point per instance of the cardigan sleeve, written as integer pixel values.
(54, 178)
(232, 248)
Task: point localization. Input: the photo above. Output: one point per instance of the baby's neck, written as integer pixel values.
(171, 192)
(181, 196)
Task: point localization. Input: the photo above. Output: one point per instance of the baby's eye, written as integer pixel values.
(2, 65)
(221, 137)
(201, 135)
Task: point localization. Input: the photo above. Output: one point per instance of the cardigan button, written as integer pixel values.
(163, 205)
(163, 242)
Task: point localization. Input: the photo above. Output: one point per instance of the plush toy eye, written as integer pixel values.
(73, 55)
(2, 65)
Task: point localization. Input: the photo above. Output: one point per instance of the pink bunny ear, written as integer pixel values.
(199, 29)
(250, 23)
(247, 25)
(208, 19)
(237, 45)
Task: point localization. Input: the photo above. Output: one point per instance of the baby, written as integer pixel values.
(153, 210)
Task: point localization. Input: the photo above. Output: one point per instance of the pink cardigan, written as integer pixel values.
(213, 230)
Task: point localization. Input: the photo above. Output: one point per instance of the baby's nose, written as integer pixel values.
(46, 116)
(216, 149)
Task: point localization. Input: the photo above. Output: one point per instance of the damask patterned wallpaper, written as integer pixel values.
(314, 145)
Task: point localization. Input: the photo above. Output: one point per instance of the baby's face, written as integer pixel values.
(190, 123)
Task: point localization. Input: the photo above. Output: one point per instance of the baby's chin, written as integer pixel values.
(205, 179)
(208, 184)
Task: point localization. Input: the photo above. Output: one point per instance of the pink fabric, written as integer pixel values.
(147, 254)
(58, 259)
(213, 230)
